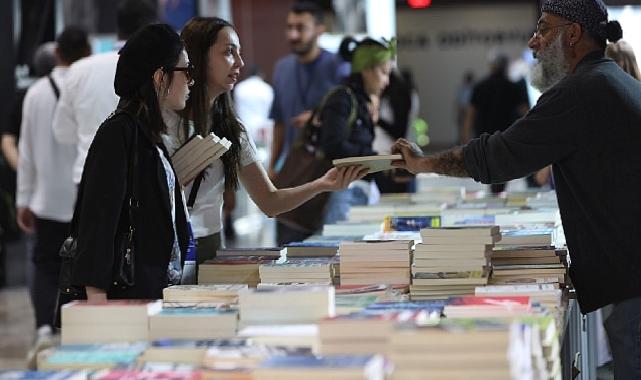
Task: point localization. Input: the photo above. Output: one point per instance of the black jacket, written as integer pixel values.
(102, 211)
(335, 139)
(589, 127)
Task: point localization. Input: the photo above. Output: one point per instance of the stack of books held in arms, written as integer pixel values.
(201, 295)
(111, 321)
(197, 154)
(452, 261)
(375, 262)
(193, 323)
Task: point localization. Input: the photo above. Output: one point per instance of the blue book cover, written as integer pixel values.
(190, 343)
(330, 361)
(42, 375)
(195, 311)
(428, 305)
(411, 223)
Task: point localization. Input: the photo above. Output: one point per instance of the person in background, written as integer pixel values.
(371, 65)
(495, 104)
(623, 54)
(300, 80)
(586, 125)
(253, 98)
(45, 193)
(43, 62)
(87, 95)
(214, 49)
(463, 96)
(398, 110)
(152, 78)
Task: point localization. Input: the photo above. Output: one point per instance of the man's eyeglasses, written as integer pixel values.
(189, 71)
(543, 29)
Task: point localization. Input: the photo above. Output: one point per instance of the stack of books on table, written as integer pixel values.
(524, 236)
(196, 154)
(376, 213)
(353, 228)
(375, 262)
(369, 330)
(108, 322)
(488, 307)
(273, 252)
(193, 323)
(232, 270)
(548, 296)
(185, 351)
(247, 356)
(90, 356)
(297, 270)
(535, 264)
(332, 367)
(286, 304)
(452, 261)
(479, 349)
(201, 295)
(312, 249)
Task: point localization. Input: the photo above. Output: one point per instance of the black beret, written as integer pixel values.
(152, 47)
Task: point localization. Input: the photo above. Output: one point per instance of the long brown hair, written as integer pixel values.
(199, 34)
(623, 54)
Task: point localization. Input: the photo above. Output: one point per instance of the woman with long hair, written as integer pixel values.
(127, 159)
(214, 50)
(623, 54)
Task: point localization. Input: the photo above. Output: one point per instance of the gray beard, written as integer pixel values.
(551, 65)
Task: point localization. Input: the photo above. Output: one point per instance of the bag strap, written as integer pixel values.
(54, 86)
(132, 191)
(353, 112)
(194, 189)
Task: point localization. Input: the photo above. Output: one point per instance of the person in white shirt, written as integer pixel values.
(214, 50)
(45, 193)
(253, 98)
(87, 95)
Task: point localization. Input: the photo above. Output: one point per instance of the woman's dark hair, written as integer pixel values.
(349, 45)
(199, 34)
(155, 46)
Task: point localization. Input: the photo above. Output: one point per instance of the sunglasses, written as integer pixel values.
(188, 70)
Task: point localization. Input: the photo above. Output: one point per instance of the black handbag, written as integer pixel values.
(124, 248)
(306, 162)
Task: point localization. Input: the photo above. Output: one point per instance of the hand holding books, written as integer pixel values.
(373, 164)
(340, 178)
(411, 156)
(196, 154)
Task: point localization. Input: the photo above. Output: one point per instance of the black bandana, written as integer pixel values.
(592, 15)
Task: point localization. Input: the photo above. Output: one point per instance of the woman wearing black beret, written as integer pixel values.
(127, 158)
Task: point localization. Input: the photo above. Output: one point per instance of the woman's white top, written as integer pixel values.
(206, 214)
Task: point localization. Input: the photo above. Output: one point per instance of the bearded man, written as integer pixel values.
(587, 125)
(300, 81)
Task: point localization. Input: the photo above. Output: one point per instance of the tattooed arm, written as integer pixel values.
(449, 162)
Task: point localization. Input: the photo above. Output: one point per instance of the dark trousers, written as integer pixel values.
(624, 334)
(285, 234)
(46, 268)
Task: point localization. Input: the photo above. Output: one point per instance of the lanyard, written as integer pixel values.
(303, 91)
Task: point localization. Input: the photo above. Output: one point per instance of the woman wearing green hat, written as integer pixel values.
(350, 111)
